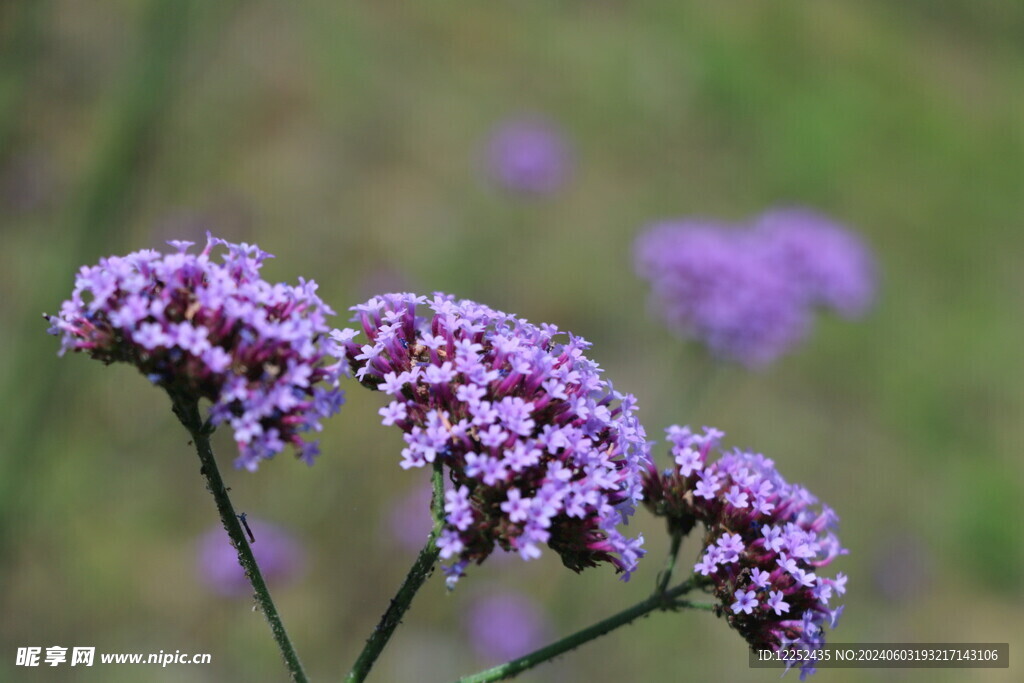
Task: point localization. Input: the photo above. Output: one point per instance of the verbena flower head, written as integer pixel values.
(765, 540)
(528, 156)
(279, 554)
(505, 624)
(832, 264)
(540, 448)
(213, 329)
(747, 293)
(715, 284)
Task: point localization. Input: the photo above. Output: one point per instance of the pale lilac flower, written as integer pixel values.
(776, 603)
(215, 330)
(760, 577)
(708, 563)
(707, 488)
(746, 601)
(833, 617)
(731, 545)
(538, 468)
(517, 507)
(688, 461)
(279, 554)
(528, 156)
(458, 510)
(392, 413)
(736, 497)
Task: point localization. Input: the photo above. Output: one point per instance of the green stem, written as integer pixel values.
(670, 563)
(418, 574)
(187, 410)
(661, 601)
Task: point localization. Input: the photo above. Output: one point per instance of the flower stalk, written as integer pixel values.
(666, 600)
(665, 577)
(187, 410)
(420, 571)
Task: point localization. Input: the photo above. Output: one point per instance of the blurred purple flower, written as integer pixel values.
(528, 156)
(765, 540)
(715, 285)
(212, 330)
(280, 556)
(540, 448)
(505, 625)
(748, 294)
(409, 519)
(832, 264)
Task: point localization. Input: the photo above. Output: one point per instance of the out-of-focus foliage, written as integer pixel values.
(347, 139)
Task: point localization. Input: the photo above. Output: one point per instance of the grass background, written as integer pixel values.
(344, 138)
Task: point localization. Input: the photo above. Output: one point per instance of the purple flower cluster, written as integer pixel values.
(280, 556)
(212, 330)
(540, 449)
(528, 156)
(748, 294)
(764, 544)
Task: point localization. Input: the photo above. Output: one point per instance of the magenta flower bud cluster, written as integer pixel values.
(540, 448)
(214, 330)
(765, 543)
(748, 294)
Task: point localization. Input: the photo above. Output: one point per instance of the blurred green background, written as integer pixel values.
(345, 138)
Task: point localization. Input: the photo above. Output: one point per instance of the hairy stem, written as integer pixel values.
(187, 410)
(418, 574)
(660, 601)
